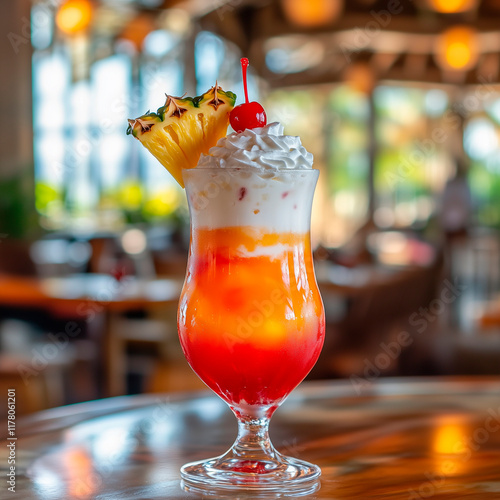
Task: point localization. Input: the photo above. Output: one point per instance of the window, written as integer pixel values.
(88, 174)
(413, 163)
(482, 146)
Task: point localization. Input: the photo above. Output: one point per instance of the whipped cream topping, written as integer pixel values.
(263, 148)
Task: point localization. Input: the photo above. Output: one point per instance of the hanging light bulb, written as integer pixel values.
(74, 16)
(138, 29)
(360, 77)
(312, 13)
(452, 6)
(457, 49)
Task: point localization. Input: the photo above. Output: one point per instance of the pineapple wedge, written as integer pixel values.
(184, 128)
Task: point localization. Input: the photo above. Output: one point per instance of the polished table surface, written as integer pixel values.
(386, 439)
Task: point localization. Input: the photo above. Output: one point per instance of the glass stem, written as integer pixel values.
(253, 441)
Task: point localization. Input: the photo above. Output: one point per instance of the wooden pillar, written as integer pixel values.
(190, 81)
(372, 152)
(16, 139)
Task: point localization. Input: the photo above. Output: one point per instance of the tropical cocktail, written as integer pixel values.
(250, 318)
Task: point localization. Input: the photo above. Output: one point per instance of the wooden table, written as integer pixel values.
(78, 292)
(87, 296)
(390, 439)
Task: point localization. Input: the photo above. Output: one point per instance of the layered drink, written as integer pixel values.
(250, 318)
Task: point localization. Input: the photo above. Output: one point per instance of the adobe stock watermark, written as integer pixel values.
(463, 449)
(390, 351)
(227, 7)
(262, 311)
(199, 199)
(41, 18)
(425, 315)
(451, 122)
(291, 448)
(78, 153)
(42, 355)
(363, 37)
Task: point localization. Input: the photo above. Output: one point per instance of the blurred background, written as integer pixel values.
(398, 100)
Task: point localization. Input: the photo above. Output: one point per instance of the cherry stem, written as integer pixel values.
(244, 65)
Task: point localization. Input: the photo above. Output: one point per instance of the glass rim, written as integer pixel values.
(251, 169)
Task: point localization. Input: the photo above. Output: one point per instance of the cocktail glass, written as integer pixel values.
(251, 320)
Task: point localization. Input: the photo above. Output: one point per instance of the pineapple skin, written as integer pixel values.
(184, 128)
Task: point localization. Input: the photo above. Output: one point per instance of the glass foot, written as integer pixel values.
(282, 474)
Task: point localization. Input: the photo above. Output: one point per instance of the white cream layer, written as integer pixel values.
(278, 201)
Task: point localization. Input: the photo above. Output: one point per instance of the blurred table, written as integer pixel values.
(73, 292)
(489, 314)
(401, 439)
(84, 297)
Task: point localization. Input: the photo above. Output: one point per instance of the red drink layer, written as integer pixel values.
(251, 320)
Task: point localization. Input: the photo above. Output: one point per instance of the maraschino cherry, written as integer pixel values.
(248, 114)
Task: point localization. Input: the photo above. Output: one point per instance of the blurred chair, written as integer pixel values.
(364, 317)
(122, 254)
(140, 344)
(44, 257)
(59, 257)
(138, 334)
(15, 258)
(143, 336)
(35, 366)
(103, 255)
(25, 331)
(170, 263)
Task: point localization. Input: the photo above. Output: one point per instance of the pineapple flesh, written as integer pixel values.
(184, 128)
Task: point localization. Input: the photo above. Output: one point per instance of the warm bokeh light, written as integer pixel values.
(360, 77)
(449, 445)
(458, 54)
(449, 436)
(81, 479)
(175, 21)
(457, 48)
(452, 6)
(134, 241)
(138, 29)
(313, 12)
(74, 16)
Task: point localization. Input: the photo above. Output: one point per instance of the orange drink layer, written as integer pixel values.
(251, 319)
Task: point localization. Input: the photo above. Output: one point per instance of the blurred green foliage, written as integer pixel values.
(18, 217)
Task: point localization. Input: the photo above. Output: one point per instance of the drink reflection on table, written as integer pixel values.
(396, 436)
